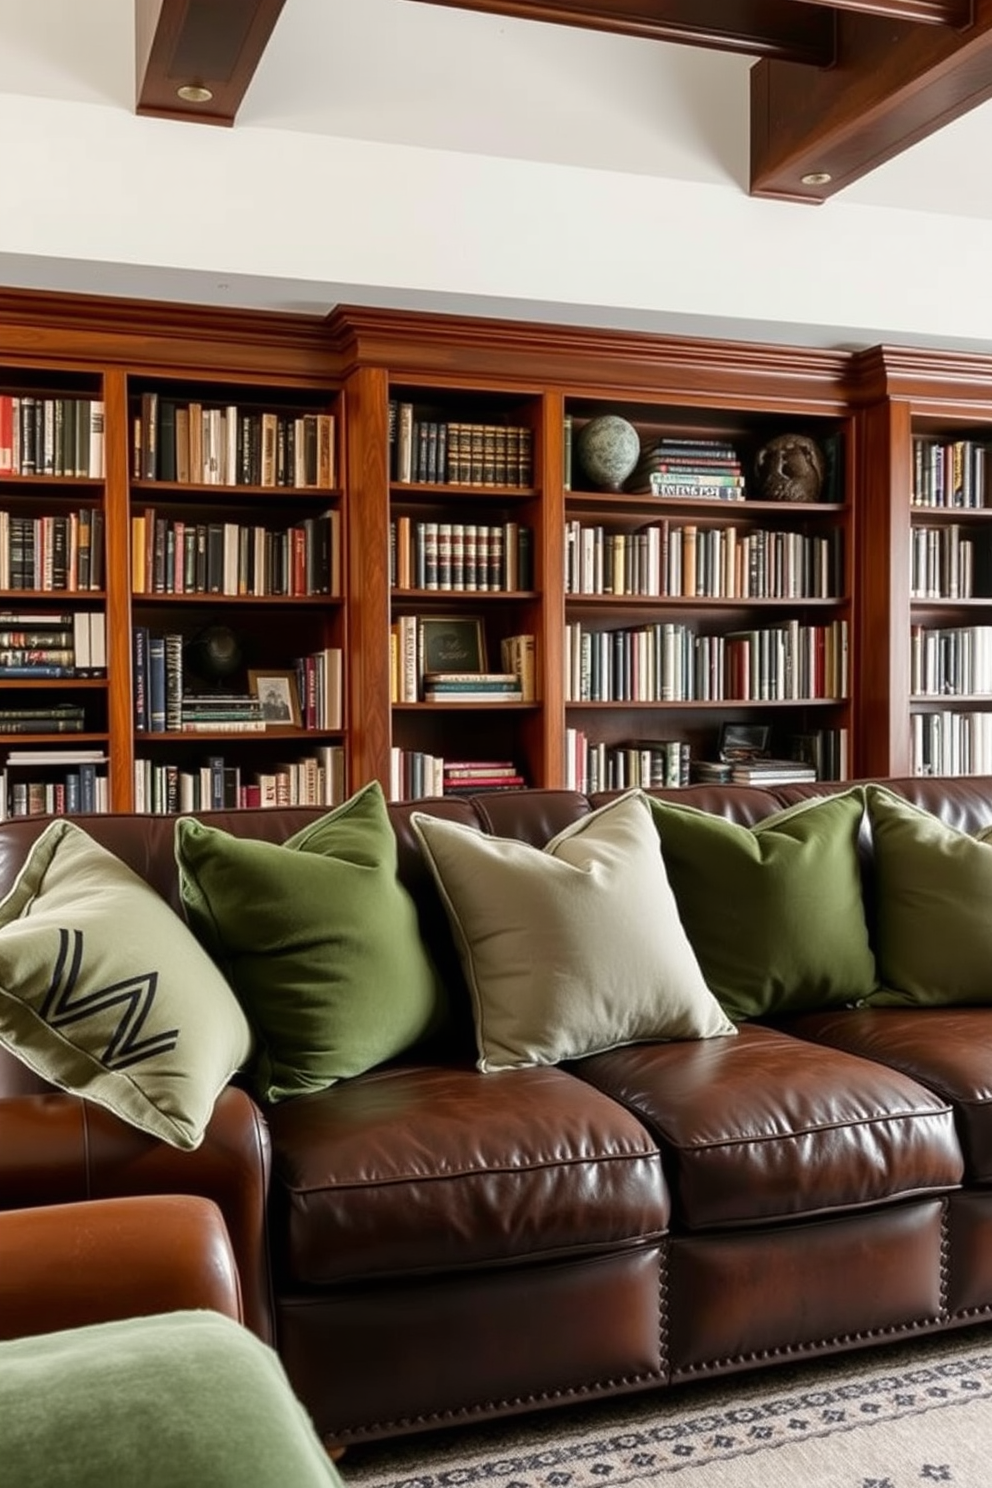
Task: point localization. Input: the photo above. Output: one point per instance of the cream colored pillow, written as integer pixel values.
(570, 949)
(106, 993)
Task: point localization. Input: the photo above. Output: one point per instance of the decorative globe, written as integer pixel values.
(214, 653)
(607, 448)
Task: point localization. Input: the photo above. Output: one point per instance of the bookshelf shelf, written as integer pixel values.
(319, 602)
(699, 602)
(60, 684)
(707, 705)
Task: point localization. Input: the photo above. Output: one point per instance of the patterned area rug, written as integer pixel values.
(912, 1414)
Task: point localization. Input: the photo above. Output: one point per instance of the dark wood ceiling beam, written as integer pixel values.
(926, 12)
(894, 84)
(211, 44)
(759, 28)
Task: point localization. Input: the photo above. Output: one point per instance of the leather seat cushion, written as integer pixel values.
(411, 1169)
(766, 1127)
(947, 1049)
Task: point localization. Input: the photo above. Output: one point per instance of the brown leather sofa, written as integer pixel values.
(434, 1245)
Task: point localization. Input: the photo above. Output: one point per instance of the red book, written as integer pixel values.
(298, 560)
(6, 432)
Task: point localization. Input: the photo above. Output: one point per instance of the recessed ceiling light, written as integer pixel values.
(194, 93)
(817, 178)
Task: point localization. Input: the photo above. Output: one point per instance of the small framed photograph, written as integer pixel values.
(743, 741)
(456, 643)
(277, 692)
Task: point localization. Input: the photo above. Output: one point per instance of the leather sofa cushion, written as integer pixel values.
(410, 1169)
(766, 1127)
(947, 1049)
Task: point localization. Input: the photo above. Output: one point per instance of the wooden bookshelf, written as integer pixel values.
(909, 399)
(748, 393)
(358, 366)
(128, 354)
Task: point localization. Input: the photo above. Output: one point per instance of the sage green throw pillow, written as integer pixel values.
(933, 906)
(570, 949)
(105, 993)
(774, 912)
(319, 940)
(177, 1400)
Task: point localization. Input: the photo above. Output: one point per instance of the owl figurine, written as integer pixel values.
(790, 467)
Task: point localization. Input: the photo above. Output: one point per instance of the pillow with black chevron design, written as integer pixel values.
(106, 993)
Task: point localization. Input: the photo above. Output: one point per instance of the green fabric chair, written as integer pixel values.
(169, 1401)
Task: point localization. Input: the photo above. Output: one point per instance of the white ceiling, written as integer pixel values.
(410, 74)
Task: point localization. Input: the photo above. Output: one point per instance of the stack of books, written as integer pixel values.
(709, 468)
(465, 777)
(222, 713)
(472, 687)
(770, 772)
(49, 645)
(59, 718)
(710, 772)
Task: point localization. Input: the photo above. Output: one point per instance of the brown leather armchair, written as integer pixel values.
(69, 1265)
(58, 1150)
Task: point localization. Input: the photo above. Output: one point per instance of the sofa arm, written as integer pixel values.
(58, 1149)
(68, 1265)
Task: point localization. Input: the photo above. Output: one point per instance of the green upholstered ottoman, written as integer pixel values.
(178, 1400)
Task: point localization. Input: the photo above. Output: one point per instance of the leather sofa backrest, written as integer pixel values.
(145, 842)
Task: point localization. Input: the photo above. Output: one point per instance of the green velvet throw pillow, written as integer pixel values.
(177, 1400)
(319, 940)
(774, 912)
(933, 906)
(105, 993)
(570, 949)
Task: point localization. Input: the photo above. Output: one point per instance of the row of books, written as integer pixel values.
(172, 556)
(944, 564)
(414, 774)
(686, 560)
(953, 661)
(461, 557)
(47, 644)
(951, 473)
(455, 452)
(74, 782)
(947, 742)
(52, 552)
(199, 444)
(433, 658)
(828, 750)
(592, 765)
(674, 663)
(218, 784)
(51, 436)
(309, 695)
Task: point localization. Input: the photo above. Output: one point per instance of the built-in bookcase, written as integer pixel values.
(925, 593)
(585, 726)
(54, 714)
(466, 601)
(951, 601)
(237, 561)
(693, 602)
(407, 445)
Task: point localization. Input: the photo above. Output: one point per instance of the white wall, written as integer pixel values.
(95, 198)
